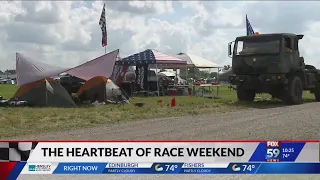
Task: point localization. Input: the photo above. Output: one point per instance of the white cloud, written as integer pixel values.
(67, 33)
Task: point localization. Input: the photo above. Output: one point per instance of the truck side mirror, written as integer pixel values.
(229, 49)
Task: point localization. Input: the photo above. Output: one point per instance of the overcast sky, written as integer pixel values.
(67, 33)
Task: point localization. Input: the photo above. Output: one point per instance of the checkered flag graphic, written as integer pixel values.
(103, 27)
(16, 151)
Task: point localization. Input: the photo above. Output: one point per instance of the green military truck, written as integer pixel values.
(271, 63)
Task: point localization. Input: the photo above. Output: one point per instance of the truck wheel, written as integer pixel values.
(246, 95)
(294, 92)
(317, 92)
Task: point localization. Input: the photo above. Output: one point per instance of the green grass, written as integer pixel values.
(21, 121)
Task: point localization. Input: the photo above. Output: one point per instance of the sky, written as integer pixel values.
(67, 33)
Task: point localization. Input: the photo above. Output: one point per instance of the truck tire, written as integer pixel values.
(294, 93)
(246, 95)
(317, 92)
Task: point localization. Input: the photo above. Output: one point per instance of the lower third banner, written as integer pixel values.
(172, 168)
(159, 157)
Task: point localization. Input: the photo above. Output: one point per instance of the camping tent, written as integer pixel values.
(45, 92)
(101, 89)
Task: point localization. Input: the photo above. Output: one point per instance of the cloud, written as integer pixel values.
(140, 7)
(67, 33)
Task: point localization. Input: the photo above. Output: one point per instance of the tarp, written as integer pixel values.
(197, 61)
(29, 70)
(101, 66)
(151, 56)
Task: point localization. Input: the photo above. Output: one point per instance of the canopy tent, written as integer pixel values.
(29, 70)
(194, 61)
(197, 61)
(150, 56)
(144, 59)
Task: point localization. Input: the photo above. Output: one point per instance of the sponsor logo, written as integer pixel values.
(40, 167)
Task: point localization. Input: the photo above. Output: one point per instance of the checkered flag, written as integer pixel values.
(103, 27)
(16, 151)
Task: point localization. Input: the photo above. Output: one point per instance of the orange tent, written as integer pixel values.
(101, 89)
(45, 92)
(93, 82)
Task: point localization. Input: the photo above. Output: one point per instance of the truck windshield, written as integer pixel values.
(257, 47)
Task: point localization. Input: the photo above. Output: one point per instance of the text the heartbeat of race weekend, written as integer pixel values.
(142, 152)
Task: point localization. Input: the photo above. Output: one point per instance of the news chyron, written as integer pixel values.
(172, 157)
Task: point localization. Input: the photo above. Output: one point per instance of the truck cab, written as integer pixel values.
(270, 63)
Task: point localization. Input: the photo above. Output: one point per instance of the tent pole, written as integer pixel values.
(218, 83)
(194, 80)
(187, 84)
(46, 92)
(157, 80)
(105, 50)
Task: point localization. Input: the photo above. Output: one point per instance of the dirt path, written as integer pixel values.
(290, 122)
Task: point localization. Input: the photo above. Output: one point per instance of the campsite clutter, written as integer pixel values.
(109, 79)
(103, 80)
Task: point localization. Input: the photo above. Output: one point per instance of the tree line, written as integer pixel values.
(8, 71)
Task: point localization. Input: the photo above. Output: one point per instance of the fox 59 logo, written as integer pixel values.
(273, 151)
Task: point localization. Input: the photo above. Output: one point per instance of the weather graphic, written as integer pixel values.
(235, 168)
(158, 168)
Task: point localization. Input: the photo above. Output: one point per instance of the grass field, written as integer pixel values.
(21, 121)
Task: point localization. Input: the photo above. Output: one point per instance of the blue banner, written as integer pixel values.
(284, 152)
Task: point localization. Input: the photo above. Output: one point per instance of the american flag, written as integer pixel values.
(102, 24)
(250, 31)
(150, 57)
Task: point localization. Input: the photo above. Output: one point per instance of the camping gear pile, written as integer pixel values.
(97, 81)
(12, 102)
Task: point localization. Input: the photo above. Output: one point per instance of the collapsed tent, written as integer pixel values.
(101, 89)
(46, 92)
(29, 70)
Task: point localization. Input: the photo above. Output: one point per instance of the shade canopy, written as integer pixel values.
(197, 61)
(150, 56)
(101, 66)
(29, 70)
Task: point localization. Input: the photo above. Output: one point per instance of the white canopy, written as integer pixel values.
(196, 61)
